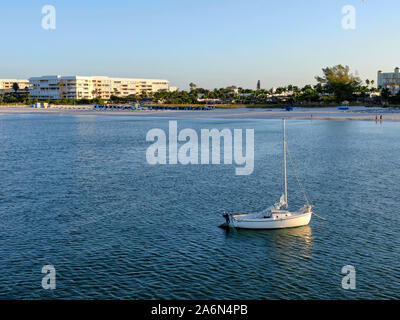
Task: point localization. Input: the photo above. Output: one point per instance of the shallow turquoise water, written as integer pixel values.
(76, 192)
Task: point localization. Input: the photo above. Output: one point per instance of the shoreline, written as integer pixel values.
(355, 113)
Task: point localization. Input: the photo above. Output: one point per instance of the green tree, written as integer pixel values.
(15, 87)
(385, 93)
(192, 86)
(372, 84)
(339, 81)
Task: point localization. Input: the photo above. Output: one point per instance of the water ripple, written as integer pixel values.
(77, 193)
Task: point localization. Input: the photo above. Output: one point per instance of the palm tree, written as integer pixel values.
(95, 93)
(192, 86)
(61, 85)
(367, 82)
(385, 93)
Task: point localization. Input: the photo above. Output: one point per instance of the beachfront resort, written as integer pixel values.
(76, 87)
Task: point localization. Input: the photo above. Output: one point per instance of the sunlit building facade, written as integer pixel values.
(6, 85)
(80, 87)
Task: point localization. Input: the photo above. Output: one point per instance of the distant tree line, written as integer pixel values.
(336, 85)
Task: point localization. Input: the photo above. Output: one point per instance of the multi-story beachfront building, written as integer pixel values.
(6, 85)
(390, 80)
(79, 87)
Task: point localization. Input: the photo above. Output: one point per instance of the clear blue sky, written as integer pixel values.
(214, 43)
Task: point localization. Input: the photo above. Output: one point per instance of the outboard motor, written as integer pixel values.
(226, 216)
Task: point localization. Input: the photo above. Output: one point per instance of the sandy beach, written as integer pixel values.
(354, 113)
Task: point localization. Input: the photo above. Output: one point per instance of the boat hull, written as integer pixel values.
(296, 220)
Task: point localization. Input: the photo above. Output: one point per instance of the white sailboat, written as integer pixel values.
(276, 217)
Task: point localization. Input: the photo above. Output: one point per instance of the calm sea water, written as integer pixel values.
(76, 192)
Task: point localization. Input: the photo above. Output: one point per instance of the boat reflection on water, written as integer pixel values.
(296, 240)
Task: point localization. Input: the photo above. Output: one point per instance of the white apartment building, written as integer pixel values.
(390, 80)
(80, 87)
(6, 85)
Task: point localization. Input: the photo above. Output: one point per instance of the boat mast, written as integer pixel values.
(284, 160)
